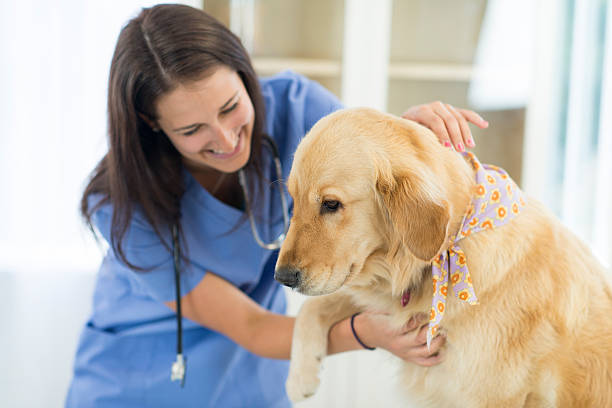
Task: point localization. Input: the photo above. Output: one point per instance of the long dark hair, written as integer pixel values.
(162, 47)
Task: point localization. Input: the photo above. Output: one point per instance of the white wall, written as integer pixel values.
(55, 58)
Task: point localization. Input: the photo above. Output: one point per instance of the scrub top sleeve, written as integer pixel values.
(294, 103)
(143, 248)
(319, 103)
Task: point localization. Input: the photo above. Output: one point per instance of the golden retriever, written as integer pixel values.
(376, 198)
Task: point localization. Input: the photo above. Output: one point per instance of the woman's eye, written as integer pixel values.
(231, 108)
(192, 131)
(330, 206)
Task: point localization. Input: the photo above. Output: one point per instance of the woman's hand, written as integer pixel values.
(409, 343)
(450, 124)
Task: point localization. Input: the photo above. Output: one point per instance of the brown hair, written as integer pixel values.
(162, 47)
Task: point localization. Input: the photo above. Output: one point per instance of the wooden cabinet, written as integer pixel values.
(426, 54)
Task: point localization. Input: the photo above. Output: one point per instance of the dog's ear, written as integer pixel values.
(418, 215)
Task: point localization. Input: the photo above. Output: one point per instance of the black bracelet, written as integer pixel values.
(355, 333)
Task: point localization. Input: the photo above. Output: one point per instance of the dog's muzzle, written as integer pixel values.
(288, 276)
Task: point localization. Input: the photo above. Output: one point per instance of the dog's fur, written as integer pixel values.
(542, 334)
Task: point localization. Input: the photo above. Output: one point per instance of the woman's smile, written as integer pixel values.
(220, 154)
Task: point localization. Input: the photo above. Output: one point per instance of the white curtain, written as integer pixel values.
(55, 57)
(586, 173)
(557, 65)
(587, 202)
(602, 233)
(53, 75)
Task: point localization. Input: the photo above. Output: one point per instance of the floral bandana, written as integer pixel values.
(496, 201)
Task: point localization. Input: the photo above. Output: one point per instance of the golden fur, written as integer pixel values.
(542, 334)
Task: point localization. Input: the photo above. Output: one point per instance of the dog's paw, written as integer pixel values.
(303, 380)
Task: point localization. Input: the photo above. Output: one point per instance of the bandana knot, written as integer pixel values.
(496, 200)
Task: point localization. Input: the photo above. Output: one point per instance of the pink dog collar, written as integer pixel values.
(405, 297)
(497, 199)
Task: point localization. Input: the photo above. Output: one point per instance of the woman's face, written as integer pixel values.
(209, 121)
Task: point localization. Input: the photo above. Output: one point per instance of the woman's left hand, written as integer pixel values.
(408, 342)
(450, 124)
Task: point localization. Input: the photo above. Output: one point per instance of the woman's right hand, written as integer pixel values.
(449, 124)
(409, 343)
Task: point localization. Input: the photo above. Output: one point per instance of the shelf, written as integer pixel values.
(431, 72)
(305, 66)
(332, 68)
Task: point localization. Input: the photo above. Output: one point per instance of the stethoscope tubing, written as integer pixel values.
(179, 366)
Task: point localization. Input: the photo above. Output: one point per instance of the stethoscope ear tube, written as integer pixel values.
(276, 243)
(180, 365)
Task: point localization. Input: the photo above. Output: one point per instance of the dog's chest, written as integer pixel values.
(372, 298)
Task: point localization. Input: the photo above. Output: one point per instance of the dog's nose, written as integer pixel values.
(288, 276)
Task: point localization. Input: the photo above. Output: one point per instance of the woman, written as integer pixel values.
(187, 115)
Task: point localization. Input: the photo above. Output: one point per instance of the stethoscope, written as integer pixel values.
(179, 367)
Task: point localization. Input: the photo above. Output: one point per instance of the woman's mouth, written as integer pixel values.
(217, 154)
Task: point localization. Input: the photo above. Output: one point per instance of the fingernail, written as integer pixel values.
(470, 143)
(460, 147)
(447, 144)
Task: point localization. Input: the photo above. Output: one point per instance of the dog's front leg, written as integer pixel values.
(316, 316)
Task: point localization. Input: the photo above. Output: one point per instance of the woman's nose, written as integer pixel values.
(226, 140)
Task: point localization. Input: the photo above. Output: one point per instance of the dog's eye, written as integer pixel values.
(330, 206)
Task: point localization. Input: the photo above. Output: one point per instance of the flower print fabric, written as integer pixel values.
(496, 200)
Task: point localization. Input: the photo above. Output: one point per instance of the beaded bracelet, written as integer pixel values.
(355, 333)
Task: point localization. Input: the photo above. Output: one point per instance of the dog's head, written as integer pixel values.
(365, 183)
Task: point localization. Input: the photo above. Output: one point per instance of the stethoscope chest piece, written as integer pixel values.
(178, 369)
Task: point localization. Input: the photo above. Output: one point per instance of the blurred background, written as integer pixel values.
(538, 70)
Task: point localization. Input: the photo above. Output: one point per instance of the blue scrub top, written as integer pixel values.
(128, 345)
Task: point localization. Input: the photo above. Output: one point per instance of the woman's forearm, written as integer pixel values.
(218, 305)
(341, 339)
(272, 335)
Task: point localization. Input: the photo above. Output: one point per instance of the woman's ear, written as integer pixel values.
(418, 221)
